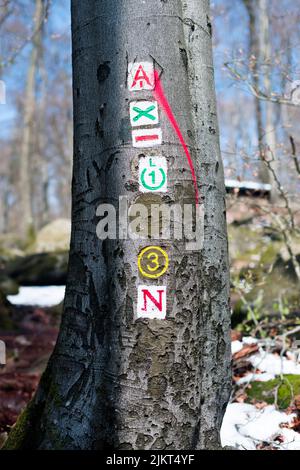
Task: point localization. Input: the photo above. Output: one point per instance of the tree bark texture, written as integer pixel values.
(114, 381)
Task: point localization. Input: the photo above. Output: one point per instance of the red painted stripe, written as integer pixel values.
(160, 97)
(138, 138)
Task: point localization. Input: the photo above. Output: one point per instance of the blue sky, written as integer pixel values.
(230, 40)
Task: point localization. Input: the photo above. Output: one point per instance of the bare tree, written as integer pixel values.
(260, 65)
(118, 379)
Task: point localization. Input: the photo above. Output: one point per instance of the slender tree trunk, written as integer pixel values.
(115, 380)
(26, 222)
(40, 192)
(260, 50)
(251, 6)
(265, 59)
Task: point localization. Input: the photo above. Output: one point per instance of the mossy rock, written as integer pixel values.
(42, 269)
(245, 243)
(52, 238)
(287, 388)
(9, 244)
(256, 258)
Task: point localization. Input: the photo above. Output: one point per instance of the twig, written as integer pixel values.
(19, 49)
(259, 93)
(294, 155)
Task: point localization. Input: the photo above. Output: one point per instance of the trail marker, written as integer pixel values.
(144, 138)
(143, 113)
(153, 262)
(152, 302)
(141, 76)
(152, 174)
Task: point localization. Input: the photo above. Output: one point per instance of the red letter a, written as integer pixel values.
(140, 76)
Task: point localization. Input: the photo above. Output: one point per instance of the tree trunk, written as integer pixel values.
(265, 60)
(114, 380)
(26, 222)
(260, 49)
(40, 162)
(251, 6)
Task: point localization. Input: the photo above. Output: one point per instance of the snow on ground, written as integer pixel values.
(47, 296)
(271, 365)
(244, 426)
(274, 364)
(264, 377)
(236, 346)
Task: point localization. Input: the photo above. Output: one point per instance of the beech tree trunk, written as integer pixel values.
(115, 381)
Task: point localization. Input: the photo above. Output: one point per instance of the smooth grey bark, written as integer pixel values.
(113, 382)
(213, 264)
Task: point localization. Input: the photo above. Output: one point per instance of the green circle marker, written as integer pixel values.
(153, 188)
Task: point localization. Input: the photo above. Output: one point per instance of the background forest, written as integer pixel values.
(257, 77)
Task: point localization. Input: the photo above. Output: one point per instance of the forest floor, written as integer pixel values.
(28, 348)
(264, 411)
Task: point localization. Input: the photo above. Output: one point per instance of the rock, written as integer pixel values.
(10, 245)
(43, 269)
(266, 279)
(52, 238)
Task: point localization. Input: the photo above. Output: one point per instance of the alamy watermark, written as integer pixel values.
(152, 221)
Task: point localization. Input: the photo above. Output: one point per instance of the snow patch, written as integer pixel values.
(264, 377)
(274, 364)
(249, 340)
(47, 296)
(236, 346)
(244, 426)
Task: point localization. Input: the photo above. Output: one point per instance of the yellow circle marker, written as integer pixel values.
(149, 262)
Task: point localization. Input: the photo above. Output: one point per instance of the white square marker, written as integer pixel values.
(152, 302)
(153, 174)
(145, 138)
(141, 76)
(143, 113)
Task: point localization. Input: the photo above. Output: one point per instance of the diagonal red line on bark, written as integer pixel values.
(160, 97)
